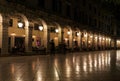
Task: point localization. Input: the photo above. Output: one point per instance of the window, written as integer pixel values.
(17, 1)
(36, 26)
(41, 3)
(11, 22)
(68, 10)
(56, 5)
(84, 2)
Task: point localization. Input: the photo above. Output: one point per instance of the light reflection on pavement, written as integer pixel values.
(82, 66)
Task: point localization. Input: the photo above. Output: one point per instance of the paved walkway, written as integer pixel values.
(83, 66)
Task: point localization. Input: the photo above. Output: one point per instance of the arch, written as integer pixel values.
(28, 31)
(24, 18)
(45, 30)
(60, 32)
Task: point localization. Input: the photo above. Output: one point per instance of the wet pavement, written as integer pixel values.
(82, 66)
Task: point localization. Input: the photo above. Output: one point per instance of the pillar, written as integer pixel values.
(47, 36)
(93, 42)
(81, 35)
(71, 39)
(28, 38)
(60, 35)
(12, 41)
(78, 39)
(4, 35)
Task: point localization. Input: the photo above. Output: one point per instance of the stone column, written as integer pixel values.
(93, 42)
(87, 39)
(4, 35)
(71, 39)
(81, 41)
(115, 33)
(28, 38)
(12, 41)
(60, 35)
(78, 39)
(47, 33)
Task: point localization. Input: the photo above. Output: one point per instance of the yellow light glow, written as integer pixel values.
(66, 39)
(56, 30)
(20, 24)
(68, 32)
(40, 28)
(91, 36)
(33, 36)
(78, 33)
(56, 38)
(13, 34)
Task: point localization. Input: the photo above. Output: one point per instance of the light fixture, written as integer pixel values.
(20, 24)
(96, 37)
(78, 33)
(68, 32)
(85, 35)
(40, 28)
(33, 36)
(13, 34)
(103, 38)
(91, 36)
(56, 30)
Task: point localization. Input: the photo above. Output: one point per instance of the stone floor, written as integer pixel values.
(82, 66)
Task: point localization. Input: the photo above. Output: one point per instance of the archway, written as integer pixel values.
(21, 31)
(68, 36)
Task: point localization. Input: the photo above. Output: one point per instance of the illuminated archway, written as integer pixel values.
(68, 36)
(27, 31)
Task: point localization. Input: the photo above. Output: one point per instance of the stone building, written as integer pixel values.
(33, 23)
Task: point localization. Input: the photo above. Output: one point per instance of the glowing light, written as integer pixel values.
(20, 24)
(68, 32)
(56, 30)
(33, 36)
(66, 39)
(74, 39)
(91, 36)
(56, 38)
(13, 34)
(78, 33)
(40, 28)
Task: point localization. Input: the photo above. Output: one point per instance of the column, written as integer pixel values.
(28, 38)
(12, 41)
(60, 35)
(71, 39)
(4, 36)
(81, 35)
(87, 39)
(47, 36)
(78, 38)
(93, 42)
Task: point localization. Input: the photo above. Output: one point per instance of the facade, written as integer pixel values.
(28, 24)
